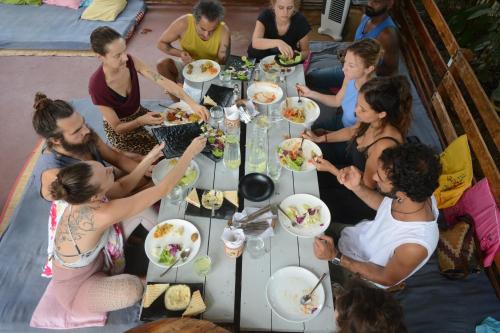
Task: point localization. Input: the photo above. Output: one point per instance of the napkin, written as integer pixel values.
(269, 232)
(232, 112)
(193, 92)
(233, 238)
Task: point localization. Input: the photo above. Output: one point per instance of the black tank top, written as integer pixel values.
(359, 157)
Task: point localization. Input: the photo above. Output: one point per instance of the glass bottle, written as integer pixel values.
(257, 147)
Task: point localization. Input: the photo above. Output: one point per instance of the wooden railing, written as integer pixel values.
(450, 91)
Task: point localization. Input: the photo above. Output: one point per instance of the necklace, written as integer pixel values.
(412, 212)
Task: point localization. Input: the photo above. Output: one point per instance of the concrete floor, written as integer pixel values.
(67, 77)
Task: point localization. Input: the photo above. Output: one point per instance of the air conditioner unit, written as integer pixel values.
(333, 16)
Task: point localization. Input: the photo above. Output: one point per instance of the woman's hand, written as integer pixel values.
(303, 90)
(196, 146)
(201, 111)
(151, 118)
(324, 248)
(324, 165)
(186, 58)
(350, 177)
(153, 155)
(285, 49)
(309, 135)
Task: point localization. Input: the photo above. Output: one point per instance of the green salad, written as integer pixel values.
(188, 177)
(293, 159)
(290, 61)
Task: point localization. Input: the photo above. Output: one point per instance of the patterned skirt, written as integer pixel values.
(138, 141)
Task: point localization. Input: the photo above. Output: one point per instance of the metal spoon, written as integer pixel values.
(298, 93)
(184, 254)
(307, 298)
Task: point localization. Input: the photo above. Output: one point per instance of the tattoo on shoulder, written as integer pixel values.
(79, 223)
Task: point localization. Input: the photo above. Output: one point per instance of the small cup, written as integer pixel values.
(234, 252)
(202, 265)
(225, 76)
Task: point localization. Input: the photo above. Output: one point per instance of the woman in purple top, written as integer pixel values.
(114, 89)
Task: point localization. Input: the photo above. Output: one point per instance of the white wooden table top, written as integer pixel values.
(283, 249)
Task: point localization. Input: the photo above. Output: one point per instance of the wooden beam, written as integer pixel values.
(441, 26)
(448, 130)
(460, 68)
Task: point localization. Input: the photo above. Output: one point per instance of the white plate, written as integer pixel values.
(269, 66)
(310, 230)
(173, 238)
(307, 147)
(310, 107)
(163, 167)
(265, 88)
(196, 75)
(179, 105)
(285, 288)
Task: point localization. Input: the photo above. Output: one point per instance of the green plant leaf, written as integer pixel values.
(479, 13)
(495, 95)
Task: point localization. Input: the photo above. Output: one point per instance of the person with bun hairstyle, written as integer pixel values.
(90, 206)
(383, 113)
(280, 29)
(114, 89)
(69, 140)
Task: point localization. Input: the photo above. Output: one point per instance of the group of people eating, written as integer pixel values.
(378, 186)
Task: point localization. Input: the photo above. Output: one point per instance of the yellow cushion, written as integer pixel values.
(104, 10)
(457, 173)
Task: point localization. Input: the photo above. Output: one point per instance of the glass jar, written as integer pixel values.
(257, 147)
(232, 156)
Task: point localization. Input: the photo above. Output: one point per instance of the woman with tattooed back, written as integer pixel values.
(92, 205)
(114, 88)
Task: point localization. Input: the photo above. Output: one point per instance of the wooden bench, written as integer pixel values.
(451, 92)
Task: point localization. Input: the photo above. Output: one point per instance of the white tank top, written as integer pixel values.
(375, 241)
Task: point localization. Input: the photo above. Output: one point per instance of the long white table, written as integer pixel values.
(283, 249)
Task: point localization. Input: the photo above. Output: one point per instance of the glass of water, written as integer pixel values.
(256, 247)
(202, 265)
(176, 195)
(274, 168)
(216, 115)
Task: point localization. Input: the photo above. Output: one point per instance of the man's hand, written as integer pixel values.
(350, 177)
(201, 111)
(324, 248)
(324, 165)
(151, 118)
(186, 58)
(285, 49)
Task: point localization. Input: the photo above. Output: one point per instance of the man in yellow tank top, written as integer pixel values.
(201, 35)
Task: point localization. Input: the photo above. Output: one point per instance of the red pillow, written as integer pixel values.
(479, 203)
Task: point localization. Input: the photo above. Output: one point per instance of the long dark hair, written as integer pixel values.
(392, 96)
(47, 113)
(72, 184)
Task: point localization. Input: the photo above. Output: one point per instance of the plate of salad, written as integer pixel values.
(306, 215)
(284, 61)
(163, 167)
(240, 68)
(269, 66)
(293, 158)
(215, 142)
(179, 113)
(167, 239)
(303, 113)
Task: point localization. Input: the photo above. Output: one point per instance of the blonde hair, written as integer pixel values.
(368, 49)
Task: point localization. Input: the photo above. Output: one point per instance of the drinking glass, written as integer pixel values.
(275, 113)
(216, 115)
(256, 247)
(225, 76)
(176, 196)
(202, 265)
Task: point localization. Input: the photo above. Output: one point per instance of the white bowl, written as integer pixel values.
(310, 107)
(309, 231)
(173, 238)
(285, 288)
(265, 88)
(162, 168)
(308, 147)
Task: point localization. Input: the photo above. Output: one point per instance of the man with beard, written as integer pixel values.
(376, 23)
(404, 233)
(69, 140)
(201, 35)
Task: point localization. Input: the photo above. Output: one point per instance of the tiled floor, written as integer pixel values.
(67, 77)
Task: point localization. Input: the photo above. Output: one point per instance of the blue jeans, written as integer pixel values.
(322, 79)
